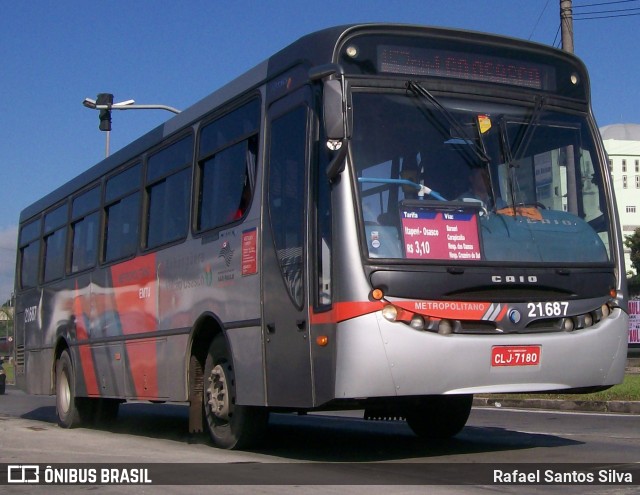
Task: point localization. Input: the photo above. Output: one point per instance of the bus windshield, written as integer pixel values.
(472, 181)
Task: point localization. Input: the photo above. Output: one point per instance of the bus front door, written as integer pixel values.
(285, 310)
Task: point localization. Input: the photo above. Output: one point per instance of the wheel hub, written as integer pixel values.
(64, 394)
(218, 393)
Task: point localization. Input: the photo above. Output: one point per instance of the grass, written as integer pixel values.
(629, 390)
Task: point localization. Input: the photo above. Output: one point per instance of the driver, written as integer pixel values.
(479, 187)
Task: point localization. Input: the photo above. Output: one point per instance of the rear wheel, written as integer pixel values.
(72, 411)
(439, 416)
(231, 426)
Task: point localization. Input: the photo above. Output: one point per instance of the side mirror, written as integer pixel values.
(337, 117)
(334, 122)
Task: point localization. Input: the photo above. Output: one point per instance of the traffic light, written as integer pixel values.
(105, 115)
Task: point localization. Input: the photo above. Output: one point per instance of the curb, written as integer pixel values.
(614, 406)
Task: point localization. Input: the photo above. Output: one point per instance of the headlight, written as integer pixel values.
(417, 322)
(390, 312)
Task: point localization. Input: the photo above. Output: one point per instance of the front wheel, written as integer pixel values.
(71, 410)
(231, 426)
(439, 416)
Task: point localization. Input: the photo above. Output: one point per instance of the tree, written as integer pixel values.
(633, 243)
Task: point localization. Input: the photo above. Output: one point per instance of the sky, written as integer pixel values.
(55, 54)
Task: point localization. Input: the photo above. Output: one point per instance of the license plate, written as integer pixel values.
(516, 355)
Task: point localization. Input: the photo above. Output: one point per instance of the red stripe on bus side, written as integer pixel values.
(134, 285)
(458, 310)
(502, 313)
(342, 311)
(84, 351)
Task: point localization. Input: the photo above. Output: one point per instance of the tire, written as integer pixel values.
(230, 425)
(72, 411)
(439, 416)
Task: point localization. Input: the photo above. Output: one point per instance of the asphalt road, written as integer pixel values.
(305, 452)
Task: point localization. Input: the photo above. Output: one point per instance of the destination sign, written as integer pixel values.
(451, 64)
(432, 234)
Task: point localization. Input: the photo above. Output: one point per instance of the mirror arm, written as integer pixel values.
(336, 165)
(326, 70)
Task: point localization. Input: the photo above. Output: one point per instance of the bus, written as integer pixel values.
(388, 218)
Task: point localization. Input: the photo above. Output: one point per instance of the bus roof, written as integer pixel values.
(313, 49)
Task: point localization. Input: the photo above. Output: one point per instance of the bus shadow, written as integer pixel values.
(330, 439)
(324, 438)
(46, 414)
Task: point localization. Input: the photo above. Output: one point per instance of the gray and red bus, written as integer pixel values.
(380, 217)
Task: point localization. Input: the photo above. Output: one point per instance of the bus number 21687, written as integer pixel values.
(547, 309)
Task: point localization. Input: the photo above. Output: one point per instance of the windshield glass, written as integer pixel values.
(476, 181)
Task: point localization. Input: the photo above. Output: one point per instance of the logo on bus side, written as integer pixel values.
(226, 252)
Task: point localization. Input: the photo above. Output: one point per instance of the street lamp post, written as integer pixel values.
(104, 103)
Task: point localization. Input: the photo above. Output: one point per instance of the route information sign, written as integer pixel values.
(432, 233)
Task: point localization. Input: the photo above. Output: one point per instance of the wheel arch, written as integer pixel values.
(206, 328)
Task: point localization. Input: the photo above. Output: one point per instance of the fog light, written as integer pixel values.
(588, 320)
(606, 311)
(568, 325)
(445, 327)
(390, 312)
(417, 322)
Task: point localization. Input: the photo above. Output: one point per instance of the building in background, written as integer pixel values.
(622, 142)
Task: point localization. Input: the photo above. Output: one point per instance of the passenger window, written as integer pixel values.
(227, 167)
(226, 185)
(29, 249)
(55, 237)
(168, 187)
(29, 263)
(122, 217)
(85, 219)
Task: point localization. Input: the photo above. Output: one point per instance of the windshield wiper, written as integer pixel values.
(528, 133)
(511, 157)
(419, 90)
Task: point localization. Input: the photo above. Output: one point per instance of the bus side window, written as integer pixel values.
(85, 219)
(122, 220)
(227, 167)
(29, 249)
(168, 186)
(223, 180)
(55, 239)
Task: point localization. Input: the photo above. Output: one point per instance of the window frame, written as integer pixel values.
(58, 233)
(252, 138)
(24, 243)
(110, 201)
(81, 216)
(155, 181)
